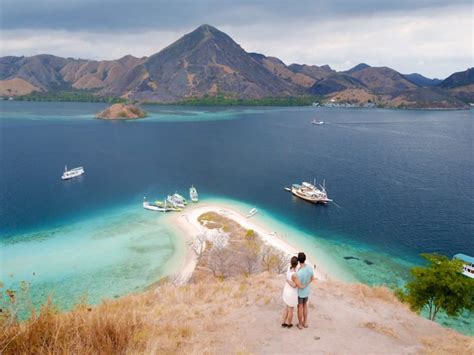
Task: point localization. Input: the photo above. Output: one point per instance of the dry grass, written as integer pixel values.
(455, 344)
(380, 329)
(171, 319)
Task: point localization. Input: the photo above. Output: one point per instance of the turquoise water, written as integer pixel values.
(402, 181)
(120, 251)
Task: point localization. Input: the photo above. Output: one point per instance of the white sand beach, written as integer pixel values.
(189, 227)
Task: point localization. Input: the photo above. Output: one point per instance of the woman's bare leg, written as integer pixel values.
(285, 314)
(289, 320)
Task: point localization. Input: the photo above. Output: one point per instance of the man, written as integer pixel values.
(305, 275)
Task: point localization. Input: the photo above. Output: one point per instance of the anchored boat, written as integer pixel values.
(159, 206)
(310, 192)
(69, 174)
(176, 200)
(193, 194)
(468, 267)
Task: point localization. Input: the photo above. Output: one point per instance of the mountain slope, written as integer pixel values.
(207, 61)
(460, 85)
(421, 80)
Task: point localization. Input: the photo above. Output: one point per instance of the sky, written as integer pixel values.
(430, 37)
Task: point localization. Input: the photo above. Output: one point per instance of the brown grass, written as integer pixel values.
(380, 329)
(171, 319)
(455, 344)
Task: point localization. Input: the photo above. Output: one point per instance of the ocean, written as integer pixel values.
(402, 182)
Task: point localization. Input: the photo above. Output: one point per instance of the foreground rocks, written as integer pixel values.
(122, 111)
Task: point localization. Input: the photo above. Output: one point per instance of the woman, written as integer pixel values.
(290, 293)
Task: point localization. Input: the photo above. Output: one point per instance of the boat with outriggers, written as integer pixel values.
(174, 202)
(72, 173)
(309, 192)
(193, 194)
(159, 206)
(468, 267)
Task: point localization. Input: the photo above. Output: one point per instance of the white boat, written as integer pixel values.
(319, 123)
(252, 212)
(159, 206)
(176, 201)
(193, 194)
(468, 267)
(310, 192)
(69, 174)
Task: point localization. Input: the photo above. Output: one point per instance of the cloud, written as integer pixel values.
(139, 15)
(410, 36)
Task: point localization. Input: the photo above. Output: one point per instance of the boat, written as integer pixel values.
(319, 123)
(159, 206)
(310, 192)
(468, 267)
(252, 212)
(193, 194)
(178, 197)
(176, 201)
(69, 174)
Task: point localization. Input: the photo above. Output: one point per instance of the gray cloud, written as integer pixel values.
(139, 15)
(427, 36)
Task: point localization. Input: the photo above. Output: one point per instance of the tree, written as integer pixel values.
(439, 286)
(198, 245)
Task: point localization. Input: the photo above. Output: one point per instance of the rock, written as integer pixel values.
(122, 112)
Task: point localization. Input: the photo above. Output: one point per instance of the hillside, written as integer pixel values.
(239, 315)
(460, 85)
(207, 62)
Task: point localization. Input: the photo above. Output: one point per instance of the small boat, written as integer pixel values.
(319, 123)
(177, 201)
(69, 174)
(252, 212)
(468, 268)
(193, 194)
(155, 207)
(287, 189)
(159, 206)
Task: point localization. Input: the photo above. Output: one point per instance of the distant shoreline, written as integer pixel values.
(238, 103)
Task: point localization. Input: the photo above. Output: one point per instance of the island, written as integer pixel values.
(122, 111)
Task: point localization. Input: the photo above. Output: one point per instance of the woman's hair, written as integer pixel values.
(294, 262)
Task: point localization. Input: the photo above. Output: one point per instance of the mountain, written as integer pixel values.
(357, 68)
(421, 80)
(207, 62)
(460, 85)
(459, 79)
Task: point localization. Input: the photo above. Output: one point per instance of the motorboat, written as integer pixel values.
(176, 201)
(468, 267)
(70, 174)
(193, 194)
(318, 123)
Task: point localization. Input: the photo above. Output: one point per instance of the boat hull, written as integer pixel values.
(311, 199)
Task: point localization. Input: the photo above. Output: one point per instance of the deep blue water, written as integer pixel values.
(402, 182)
(403, 179)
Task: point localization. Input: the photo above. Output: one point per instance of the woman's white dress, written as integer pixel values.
(290, 294)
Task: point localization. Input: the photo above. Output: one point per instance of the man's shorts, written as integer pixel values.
(302, 300)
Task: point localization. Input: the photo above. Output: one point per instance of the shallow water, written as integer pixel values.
(402, 182)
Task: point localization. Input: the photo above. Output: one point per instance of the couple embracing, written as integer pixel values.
(296, 291)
